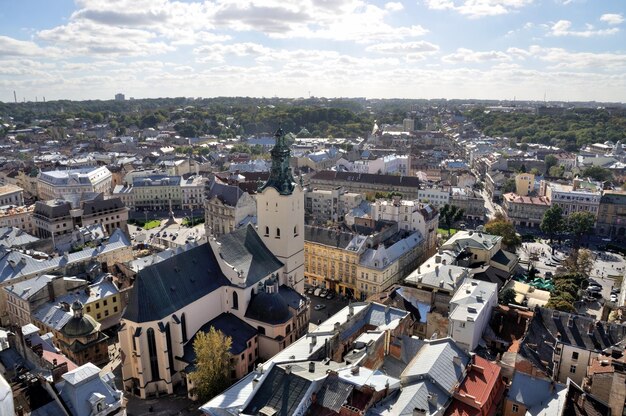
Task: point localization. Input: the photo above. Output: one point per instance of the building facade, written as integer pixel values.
(11, 195)
(324, 205)
(525, 211)
(226, 208)
(161, 192)
(612, 215)
(67, 184)
(572, 198)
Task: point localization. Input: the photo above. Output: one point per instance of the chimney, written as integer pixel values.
(432, 399)
(419, 412)
(437, 270)
(570, 321)
(313, 339)
(355, 370)
(437, 259)
(312, 367)
(350, 310)
(51, 295)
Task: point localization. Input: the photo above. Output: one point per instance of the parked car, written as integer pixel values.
(596, 295)
(319, 307)
(324, 293)
(615, 290)
(317, 291)
(310, 290)
(613, 298)
(330, 295)
(594, 289)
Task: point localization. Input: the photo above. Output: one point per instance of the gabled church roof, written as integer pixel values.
(163, 288)
(244, 250)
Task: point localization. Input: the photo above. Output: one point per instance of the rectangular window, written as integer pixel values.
(515, 408)
(105, 302)
(572, 369)
(115, 309)
(98, 316)
(574, 356)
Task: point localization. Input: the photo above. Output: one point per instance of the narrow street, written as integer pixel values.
(491, 207)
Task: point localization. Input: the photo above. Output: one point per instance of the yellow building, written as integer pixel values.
(331, 258)
(524, 183)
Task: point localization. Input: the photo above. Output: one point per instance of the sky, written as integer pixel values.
(565, 50)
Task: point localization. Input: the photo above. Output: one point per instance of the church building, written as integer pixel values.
(246, 283)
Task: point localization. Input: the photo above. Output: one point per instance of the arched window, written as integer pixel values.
(267, 231)
(170, 353)
(235, 300)
(152, 353)
(183, 327)
(277, 232)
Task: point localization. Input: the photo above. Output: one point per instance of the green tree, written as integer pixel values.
(504, 228)
(598, 173)
(580, 224)
(556, 171)
(450, 214)
(508, 186)
(550, 161)
(507, 297)
(212, 375)
(552, 222)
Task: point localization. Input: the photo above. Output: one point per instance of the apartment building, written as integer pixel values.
(160, 192)
(19, 217)
(11, 195)
(612, 215)
(434, 196)
(66, 184)
(322, 205)
(580, 196)
(226, 208)
(59, 217)
(524, 184)
(525, 211)
(410, 216)
(365, 183)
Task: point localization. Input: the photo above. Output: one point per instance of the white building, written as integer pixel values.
(435, 196)
(578, 197)
(159, 192)
(470, 312)
(71, 183)
(11, 195)
(410, 216)
(386, 165)
(330, 205)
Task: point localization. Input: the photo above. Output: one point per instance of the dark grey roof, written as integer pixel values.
(244, 250)
(270, 308)
(291, 296)
(231, 326)
(393, 180)
(327, 236)
(165, 287)
(15, 237)
(281, 391)
(580, 403)
(95, 205)
(227, 194)
(334, 393)
(581, 332)
(56, 208)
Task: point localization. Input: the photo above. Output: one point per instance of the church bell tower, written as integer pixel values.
(280, 215)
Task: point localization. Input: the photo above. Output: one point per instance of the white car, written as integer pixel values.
(614, 298)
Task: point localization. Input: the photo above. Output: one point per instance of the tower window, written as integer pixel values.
(277, 232)
(267, 231)
(235, 300)
(295, 231)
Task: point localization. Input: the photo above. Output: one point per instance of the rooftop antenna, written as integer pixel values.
(15, 96)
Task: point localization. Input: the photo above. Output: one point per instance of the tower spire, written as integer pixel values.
(281, 177)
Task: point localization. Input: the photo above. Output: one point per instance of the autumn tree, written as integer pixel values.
(212, 374)
(501, 226)
(579, 261)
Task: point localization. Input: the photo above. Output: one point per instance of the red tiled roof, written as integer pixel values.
(50, 356)
(482, 378)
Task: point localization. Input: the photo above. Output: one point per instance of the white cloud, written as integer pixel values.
(478, 8)
(612, 18)
(394, 6)
(562, 28)
(14, 47)
(403, 47)
(463, 55)
(562, 58)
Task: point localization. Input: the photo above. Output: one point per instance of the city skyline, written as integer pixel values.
(562, 50)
